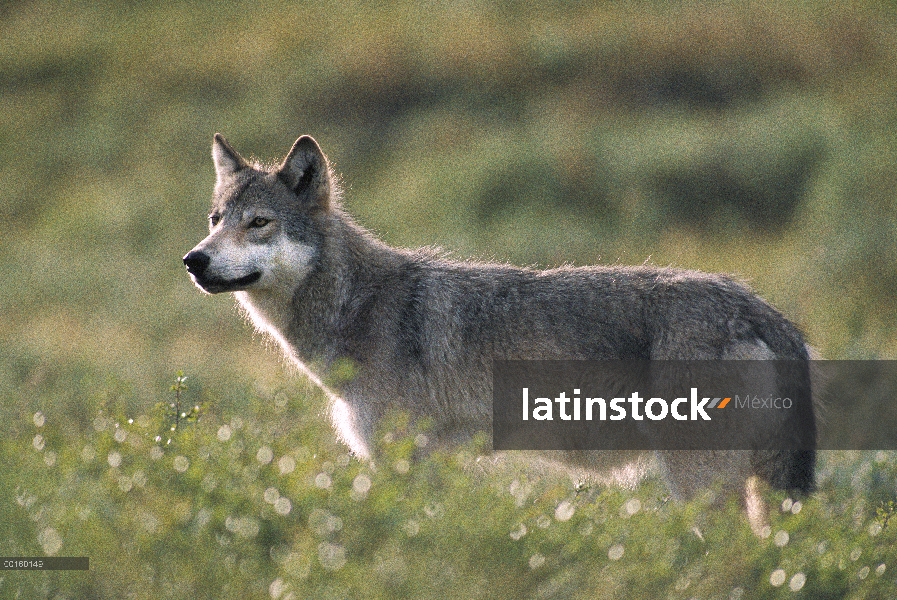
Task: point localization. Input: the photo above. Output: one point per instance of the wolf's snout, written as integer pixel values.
(196, 262)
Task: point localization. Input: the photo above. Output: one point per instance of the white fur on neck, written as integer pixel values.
(270, 310)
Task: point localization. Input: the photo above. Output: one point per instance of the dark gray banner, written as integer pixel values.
(695, 405)
(45, 563)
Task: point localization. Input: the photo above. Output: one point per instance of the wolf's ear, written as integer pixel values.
(306, 171)
(227, 161)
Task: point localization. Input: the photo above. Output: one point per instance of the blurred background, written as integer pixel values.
(751, 138)
(754, 138)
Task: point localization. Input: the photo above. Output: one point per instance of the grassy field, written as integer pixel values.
(753, 138)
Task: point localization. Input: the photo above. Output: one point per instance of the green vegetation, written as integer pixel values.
(264, 502)
(753, 138)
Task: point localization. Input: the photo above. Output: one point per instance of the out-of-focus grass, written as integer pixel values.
(260, 503)
(752, 138)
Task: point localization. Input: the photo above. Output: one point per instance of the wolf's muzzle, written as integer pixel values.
(196, 262)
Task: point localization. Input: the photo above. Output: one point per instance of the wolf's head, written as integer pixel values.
(265, 222)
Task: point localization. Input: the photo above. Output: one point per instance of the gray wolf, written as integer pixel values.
(421, 331)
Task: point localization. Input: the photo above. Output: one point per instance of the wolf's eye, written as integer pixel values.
(259, 222)
(214, 218)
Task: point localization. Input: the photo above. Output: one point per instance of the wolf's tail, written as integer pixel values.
(790, 463)
(789, 470)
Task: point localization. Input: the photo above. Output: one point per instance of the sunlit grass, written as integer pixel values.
(238, 504)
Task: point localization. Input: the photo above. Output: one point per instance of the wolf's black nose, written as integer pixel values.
(196, 262)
